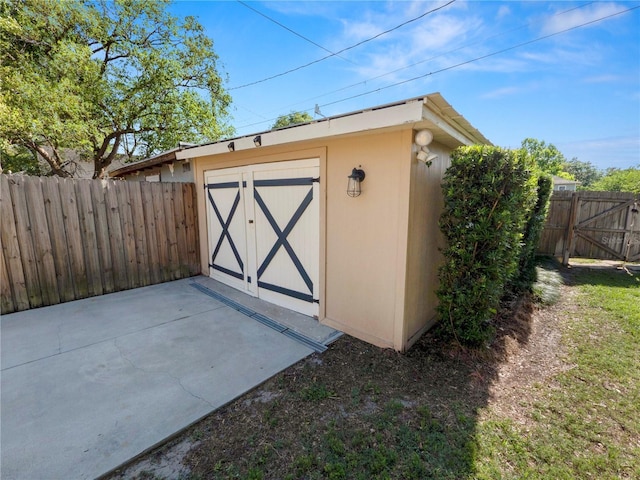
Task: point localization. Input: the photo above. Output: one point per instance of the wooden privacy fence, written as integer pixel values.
(65, 239)
(600, 225)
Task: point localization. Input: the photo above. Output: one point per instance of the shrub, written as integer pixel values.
(489, 193)
(533, 230)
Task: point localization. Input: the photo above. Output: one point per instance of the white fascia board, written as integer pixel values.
(407, 113)
(438, 121)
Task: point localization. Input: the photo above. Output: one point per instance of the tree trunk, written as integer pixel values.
(101, 159)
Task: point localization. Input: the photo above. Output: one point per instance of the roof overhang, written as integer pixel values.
(431, 111)
(158, 160)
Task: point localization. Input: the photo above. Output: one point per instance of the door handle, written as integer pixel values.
(250, 221)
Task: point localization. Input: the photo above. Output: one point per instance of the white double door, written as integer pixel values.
(263, 229)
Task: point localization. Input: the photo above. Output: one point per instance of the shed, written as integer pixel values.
(276, 221)
(163, 167)
(564, 184)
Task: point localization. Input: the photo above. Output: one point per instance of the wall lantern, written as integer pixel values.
(231, 146)
(422, 139)
(257, 141)
(353, 187)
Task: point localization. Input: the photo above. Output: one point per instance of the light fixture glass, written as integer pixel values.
(423, 138)
(231, 146)
(427, 156)
(355, 179)
(257, 141)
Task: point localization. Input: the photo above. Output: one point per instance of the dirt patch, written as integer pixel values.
(356, 396)
(530, 360)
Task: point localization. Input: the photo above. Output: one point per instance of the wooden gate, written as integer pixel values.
(599, 225)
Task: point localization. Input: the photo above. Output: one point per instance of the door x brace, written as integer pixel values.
(225, 229)
(282, 237)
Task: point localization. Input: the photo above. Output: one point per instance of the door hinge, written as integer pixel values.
(316, 180)
(316, 300)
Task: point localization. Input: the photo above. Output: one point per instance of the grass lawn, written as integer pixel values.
(557, 396)
(584, 422)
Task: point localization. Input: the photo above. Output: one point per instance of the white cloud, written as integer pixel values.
(444, 31)
(579, 16)
(503, 11)
(605, 78)
(567, 55)
(619, 152)
(425, 42)
(502, 92)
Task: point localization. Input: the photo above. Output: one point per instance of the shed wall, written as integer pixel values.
(366, 236)
(424, 243)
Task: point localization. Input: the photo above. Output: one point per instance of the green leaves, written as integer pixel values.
(617, 180)
(547, 156)
(105, 78)
(292, 118)
(489, 193)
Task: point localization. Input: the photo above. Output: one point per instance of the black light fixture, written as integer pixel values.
(353, 187)
(257, 141)
(231, 146)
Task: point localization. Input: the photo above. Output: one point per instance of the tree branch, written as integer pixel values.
(53, 161)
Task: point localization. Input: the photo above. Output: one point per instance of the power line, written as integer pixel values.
(364, 82)
(344, 49)
(451, 67)
(528, 24)
(289, 30)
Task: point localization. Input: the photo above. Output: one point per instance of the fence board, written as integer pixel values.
(151, 235)
(89, 241)
(140, 236)
(129, 237)
(55, 223)
(188, 193)
(6, 297)
(172, 236)
(74, 237)
(161, 230)
(181, 229)
(64, 239)
(41, 241)
(116, 239)
(11, 249)
(103, 242)
(27, 249)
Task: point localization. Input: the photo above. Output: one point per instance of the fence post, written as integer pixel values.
(632, 212)
(570, 241)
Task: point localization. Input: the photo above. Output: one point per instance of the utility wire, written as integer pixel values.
(364, 82)
(289, 30)
(344, 49)
(451, 67)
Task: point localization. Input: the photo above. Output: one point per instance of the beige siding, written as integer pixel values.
(423, 255)
(362, 236)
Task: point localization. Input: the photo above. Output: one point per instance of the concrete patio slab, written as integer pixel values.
(90, 384)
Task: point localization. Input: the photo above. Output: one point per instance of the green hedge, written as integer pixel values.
(489, 195)
(533, 230)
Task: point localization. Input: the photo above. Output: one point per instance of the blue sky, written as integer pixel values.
(579, 90)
